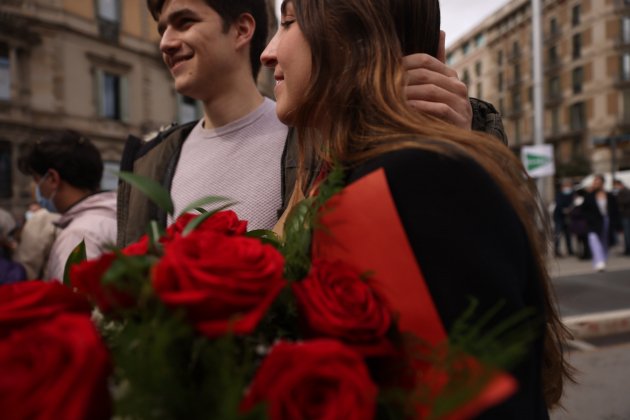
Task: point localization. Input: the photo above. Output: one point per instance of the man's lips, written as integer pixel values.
(175, 61)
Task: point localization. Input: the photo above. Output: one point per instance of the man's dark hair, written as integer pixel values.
(76, 159)
(230, 10)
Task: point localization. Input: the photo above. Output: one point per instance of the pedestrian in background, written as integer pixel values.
(36, 239)
(623, 200)
(602, 216)
(67, 169)
(564, 205)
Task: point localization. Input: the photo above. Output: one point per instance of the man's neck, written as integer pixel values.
(236, 102)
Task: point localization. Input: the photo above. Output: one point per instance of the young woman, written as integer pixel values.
(463, 198)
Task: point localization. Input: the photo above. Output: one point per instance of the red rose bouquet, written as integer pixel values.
(208, 320)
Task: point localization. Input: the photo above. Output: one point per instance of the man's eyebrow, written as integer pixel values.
(162, 23)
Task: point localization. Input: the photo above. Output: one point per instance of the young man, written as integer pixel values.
(67, 169)
(238, 149)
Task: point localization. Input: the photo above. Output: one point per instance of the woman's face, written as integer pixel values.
(289, 55)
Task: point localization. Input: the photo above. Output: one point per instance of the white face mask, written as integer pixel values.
(45, 202)
(28, 215)
(567, 191)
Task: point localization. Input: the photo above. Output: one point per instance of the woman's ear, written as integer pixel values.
(245, 25)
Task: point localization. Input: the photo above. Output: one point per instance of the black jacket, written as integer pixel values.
(468, 242)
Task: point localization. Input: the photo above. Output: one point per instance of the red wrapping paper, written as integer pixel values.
(361, 226)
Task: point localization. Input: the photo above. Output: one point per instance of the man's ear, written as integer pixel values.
(54, 178)
(245, 25)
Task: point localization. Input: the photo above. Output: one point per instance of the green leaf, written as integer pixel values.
(77, 256)
(152, 189)
(266, 236)
(155, 232)
(195, 205)
(194, 223)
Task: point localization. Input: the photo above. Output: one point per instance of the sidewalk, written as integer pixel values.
(593, 304)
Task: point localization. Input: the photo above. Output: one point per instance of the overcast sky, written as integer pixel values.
(459, 16)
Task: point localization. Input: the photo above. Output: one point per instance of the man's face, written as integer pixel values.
(598, 184)
(196, 49)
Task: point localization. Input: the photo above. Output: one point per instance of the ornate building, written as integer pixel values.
(586, 90)
(89, 65)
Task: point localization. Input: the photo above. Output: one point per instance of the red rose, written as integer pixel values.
(320, 379)
(335, 302)
(56, 369)
(225, 283)
(25, 302)
(226, 222)
(87, 278)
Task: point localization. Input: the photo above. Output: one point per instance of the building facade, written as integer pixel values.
(586, 78)
(89, 65)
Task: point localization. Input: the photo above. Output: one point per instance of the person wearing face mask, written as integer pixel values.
(564, 205)
(67, 169)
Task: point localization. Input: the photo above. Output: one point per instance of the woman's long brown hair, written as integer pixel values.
(355, 100)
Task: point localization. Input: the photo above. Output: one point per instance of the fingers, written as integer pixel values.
(441, 111)
(425, 61)
(435, 88)
(441, 103)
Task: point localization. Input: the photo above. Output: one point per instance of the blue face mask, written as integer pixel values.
(46, 203)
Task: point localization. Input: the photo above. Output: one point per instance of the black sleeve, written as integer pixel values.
(487, 119)
(469, 243)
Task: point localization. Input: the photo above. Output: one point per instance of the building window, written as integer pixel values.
(625, 29)
(553, 56)
(575, 15)
(479, 91)
(500, 58)
(108, 18)
(577, 46)
(516, 49)
(577, 78)
(577, 116)
(501, 106)
(112, 95)
(188, 110)
(109, 10)
(478, 68)
(516, 100)
(517, 73)
(553, 26)
(554, 87)
(5, 169)
(517, 131)
(466, 78)
(5, 73)
(625, 66)
(466, 48)
(555, 121)
(500, 82)
(479, 40)
(626, 106)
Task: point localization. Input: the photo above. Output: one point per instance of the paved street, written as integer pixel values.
(597, 308)
(602, 391)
